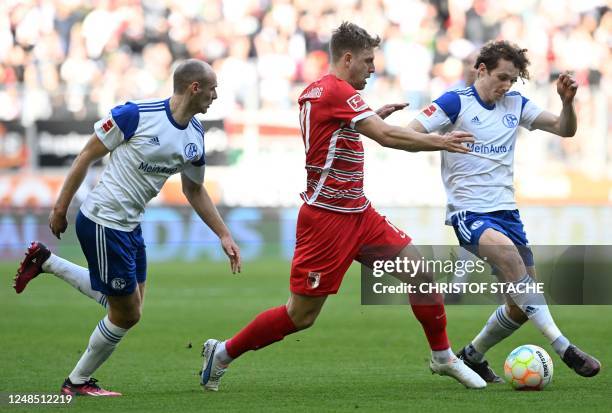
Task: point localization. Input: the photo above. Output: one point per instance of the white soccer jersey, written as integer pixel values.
(481, 181)
(147, 146)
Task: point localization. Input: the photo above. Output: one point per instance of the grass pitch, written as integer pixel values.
(355, 358)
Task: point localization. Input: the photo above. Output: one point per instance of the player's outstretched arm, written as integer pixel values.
(408, 139)
(566, 123)
(94, 149)
(198, 197)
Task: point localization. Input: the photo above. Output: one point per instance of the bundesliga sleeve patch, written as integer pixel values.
(356, 103)
(108, 125)
(428, 111)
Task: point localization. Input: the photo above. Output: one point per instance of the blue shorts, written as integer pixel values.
(469, 226)
(117, 260)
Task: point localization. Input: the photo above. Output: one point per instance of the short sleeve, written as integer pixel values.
(529, 112)
(195, 173)
(348, 106)
(119, 126)
(442, 112)
(195, 170)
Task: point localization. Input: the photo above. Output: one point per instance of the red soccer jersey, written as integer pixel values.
(329, 109)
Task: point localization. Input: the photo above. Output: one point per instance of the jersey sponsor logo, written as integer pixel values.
(356, 103)
(154, 140)
(476, 225)
(191, 151)
(475, 120)
(118, 283)
(314, 279)
(108, 125)
(156, 169)
(509, 120)
(486, 149)
(428, 111)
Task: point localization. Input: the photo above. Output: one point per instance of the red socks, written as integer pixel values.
(268, 327)
(429, 310)
(274, 324)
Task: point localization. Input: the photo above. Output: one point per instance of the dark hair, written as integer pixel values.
(502, 49)
(349, 37)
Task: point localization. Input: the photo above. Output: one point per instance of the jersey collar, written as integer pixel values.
(482, 103)
(170, 118)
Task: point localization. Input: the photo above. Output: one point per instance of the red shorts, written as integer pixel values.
(327, 243)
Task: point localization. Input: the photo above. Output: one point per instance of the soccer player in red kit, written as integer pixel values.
(336, 224)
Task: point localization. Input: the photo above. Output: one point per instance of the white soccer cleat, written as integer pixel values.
(212, 369)
(460, 372)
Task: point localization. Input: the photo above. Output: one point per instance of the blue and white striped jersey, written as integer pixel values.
(147, 146)
(483, 180)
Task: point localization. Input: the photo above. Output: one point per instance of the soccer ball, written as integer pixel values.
(528, 367)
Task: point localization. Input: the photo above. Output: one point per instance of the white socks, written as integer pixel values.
(534, 306)
(498, 326)
(221, 354)
(442, 356)
(102, 343)
(74, 275)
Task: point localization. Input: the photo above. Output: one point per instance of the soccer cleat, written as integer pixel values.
(582, 363)
(31, 265)
(212, 369)
(459, 371)
(482, 369)
(89, 388)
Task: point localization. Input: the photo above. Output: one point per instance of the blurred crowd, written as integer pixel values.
(78, 58)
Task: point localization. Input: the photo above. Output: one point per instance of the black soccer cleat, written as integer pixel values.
(482, 369)
(582, 363)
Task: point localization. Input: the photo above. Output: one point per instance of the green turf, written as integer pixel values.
(355, 358)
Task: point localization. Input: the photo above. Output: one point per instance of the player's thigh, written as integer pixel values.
(382, 241)
(141, 289)
(141, 263)
(326, 245)
(500, 252)
(111, 257)
(531, 270)
(304, 310)
(411, 253)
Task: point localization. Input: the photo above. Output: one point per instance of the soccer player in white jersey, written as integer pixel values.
(481, 205)
(148, 142)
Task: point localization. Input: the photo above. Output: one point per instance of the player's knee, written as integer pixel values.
(133, 318)
(304, 322)
(510, 264)
(126, 318)
(516, 314)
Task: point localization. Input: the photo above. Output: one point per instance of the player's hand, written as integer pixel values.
(57, 222)
(387, 110)
(454, 141)
(232, 250)
(566, 87)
